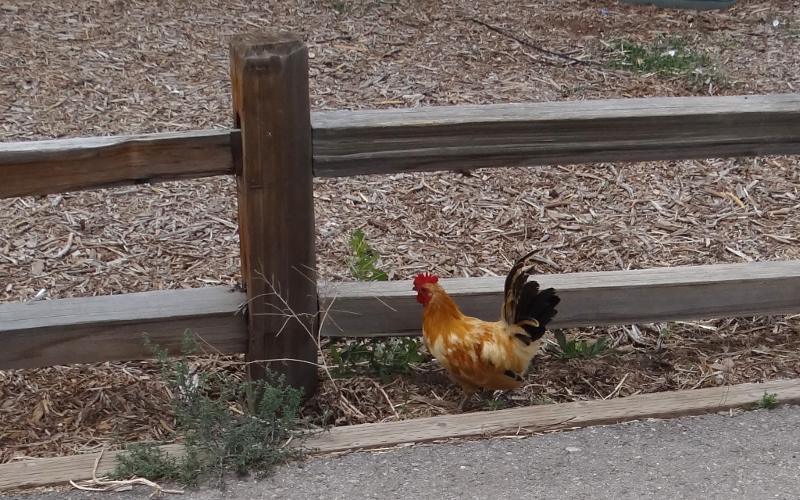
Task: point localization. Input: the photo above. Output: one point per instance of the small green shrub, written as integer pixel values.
(228, 425)
(146, 460)
(767, 401)
(570, 349)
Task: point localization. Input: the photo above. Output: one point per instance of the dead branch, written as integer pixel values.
(528, 43)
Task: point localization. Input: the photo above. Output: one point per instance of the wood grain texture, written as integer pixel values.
(594, 298)
(515, 421)
(431, 138)
(276, 208)
(58, 470)
(42, 167)
(527, 420)
(456, 137)
(92, 329)
(112, 327)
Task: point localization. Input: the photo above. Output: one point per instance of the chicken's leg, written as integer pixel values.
(468, 393)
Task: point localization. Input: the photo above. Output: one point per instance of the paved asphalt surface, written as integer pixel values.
(752, 455)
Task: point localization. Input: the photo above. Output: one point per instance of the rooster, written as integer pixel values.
(481, 354)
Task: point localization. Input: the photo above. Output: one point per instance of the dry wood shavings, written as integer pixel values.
(82, 68)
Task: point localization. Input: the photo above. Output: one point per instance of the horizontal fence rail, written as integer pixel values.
(110, 328)
(587, 299)
(61, 165)
(502, 135)
(113, 327)
(431, 138)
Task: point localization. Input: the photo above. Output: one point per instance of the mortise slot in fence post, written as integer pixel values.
(269, 74)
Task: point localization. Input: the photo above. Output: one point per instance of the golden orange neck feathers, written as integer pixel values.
(440, 308)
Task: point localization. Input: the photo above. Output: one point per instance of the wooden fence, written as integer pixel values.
(276, 148)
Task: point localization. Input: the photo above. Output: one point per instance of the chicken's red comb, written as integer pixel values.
(424, 278)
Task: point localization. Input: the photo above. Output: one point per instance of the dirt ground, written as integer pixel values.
(83, 68)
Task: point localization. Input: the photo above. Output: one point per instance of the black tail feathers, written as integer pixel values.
(524, 304)
(536, 305)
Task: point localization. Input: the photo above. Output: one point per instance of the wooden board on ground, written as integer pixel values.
(533, 419)
(112, 327)
(515, 421)
(547, 133)
(594, 298)
(60, 165)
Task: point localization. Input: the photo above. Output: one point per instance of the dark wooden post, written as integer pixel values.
(269, 74)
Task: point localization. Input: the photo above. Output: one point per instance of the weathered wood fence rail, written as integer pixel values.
(278, 145)
(433, 138)
(108, 328)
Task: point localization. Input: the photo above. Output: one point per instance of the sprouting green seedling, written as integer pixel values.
(339, 6)
(767, 401)
(364, 259)
(570, 349)
(384, 357)
(493, 404)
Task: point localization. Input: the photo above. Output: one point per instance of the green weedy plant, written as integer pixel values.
(492, 404)
(340, 7)
(767, 401)
(218, 439)
(146, 460)
(664, 56)
(364, 259)
(570, 349)
(386, 357)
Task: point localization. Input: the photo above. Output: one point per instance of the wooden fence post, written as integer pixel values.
(269, 74)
